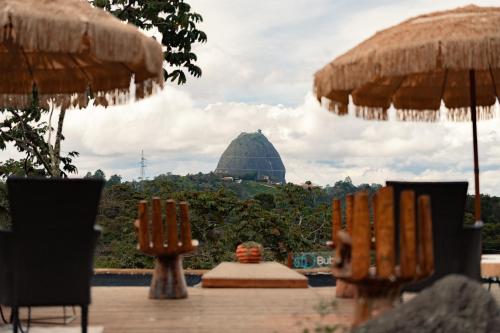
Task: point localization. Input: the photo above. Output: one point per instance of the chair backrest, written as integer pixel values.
(42, 203)
(53, 239)
(448, 206)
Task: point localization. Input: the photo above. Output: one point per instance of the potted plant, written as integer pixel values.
(249, 252)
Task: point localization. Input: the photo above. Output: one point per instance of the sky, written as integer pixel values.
(258, 67)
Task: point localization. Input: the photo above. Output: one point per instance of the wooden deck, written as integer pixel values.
(127, 309)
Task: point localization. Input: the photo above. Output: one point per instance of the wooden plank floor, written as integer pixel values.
(127, 309)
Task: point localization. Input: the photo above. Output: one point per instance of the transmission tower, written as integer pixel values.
(143, 167)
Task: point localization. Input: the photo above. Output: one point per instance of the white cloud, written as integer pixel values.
(268, 51)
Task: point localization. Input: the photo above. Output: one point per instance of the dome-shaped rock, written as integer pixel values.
(252, 156)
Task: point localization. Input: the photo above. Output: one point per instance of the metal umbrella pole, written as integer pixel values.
(477, 199)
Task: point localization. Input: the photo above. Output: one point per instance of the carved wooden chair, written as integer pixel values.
(373, 259)
(168, 281)
(342, 288)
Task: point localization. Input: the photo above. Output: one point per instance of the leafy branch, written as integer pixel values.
(24, 130)
(177, 23)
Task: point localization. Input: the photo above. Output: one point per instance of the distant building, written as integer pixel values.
(252, 156)
(309, 186)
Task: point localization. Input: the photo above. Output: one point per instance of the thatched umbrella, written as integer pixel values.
(451, 56)
(67, 50)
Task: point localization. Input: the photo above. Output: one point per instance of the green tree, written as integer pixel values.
(342, 187)
(4, 208)
(117, 211)
(175, 20)
(99, 174)
(26, 132)
(266, 200)
(114, 180)
(490, 210)
(22, 167)
(491, 237)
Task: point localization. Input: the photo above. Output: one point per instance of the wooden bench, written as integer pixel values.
(490, 269)
(168, 281)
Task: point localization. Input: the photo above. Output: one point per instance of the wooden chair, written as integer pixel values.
(47, 258)
(168, 281)
(342, 288)
(379, 276)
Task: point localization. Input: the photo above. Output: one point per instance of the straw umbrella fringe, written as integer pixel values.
(451, 56)
(63, 52)
(418, 63)
(67, 49)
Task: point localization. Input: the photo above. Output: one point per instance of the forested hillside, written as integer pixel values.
(284, 218)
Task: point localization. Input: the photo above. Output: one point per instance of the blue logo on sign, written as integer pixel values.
(308, 260)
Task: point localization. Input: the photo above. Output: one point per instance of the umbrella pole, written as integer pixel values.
(477, 199)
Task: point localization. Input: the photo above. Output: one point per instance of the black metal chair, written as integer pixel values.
(457, 248)
(47, 258)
